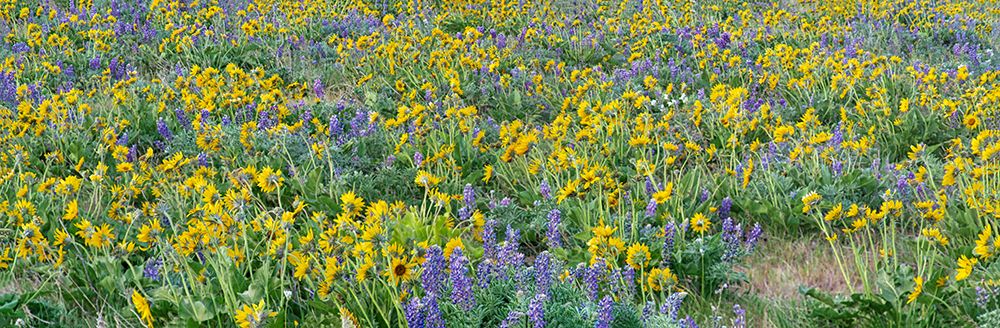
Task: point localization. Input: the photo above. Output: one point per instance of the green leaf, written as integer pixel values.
(8, 302)
(197, 311)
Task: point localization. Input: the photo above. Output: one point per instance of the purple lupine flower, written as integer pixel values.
(118, 69)
(668, 243)
(203, 159)
(318, 88)
(163, 129)
(461, 284)
(740, 317)
(672, 306)
(21, 47)
(651, 208)
(182, 118)
(133, 153)
(593, 275)
(731, 237)
(629, 275)
(486, 271)
(264, 120)
(469, 195)
(552, 233)
(434, 317)
(432, 278)
(647, 310)
(752, 237)
(604, 313)
(8, 88)
(505, 202)
(464, 213)
(418, 159)
(545, 190)
(67, 69)
(509, 256)
(689, 322)
(838, 137)
(543, 273)
(492, 204)
(982, 296)
(536, 311)
(513, 318)
(204, 115)
(616, 282)
(359, 125)
(725, 207)
(335, 127)
(307, 116)
(704, 195)
(123, 139)
(95, 63)
(152, 269)
(489, 239)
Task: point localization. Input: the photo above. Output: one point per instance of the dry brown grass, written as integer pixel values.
(781, 266)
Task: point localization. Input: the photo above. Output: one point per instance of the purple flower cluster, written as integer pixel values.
(334, 129)
(318, 89)
(592, 279)
(543, 273)
(739, 316)
(725, 209)
(152, 269)
(752, 237)
(545, 190)
(672, 306)
(552, 231)
(731, 233)
(432, 278)
(651, 208)
(513, 318)
(461, 283)
(737, 242)
(424, 313)
(164, 130)
(8, 88)
(119, 69)
(488, 266)
(605, 314)
(536, 311)
(509, 255)
(469, 196)
(669, 230)
(418, 159)
(182, 118)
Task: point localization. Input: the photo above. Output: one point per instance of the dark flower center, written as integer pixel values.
(399, 270)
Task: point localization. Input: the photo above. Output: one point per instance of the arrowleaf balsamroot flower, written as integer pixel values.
(142, 308)
(269, 179)
(252, 315)
(700, 223)
(638, 256)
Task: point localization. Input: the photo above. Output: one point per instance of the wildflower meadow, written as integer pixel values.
(500, 163)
